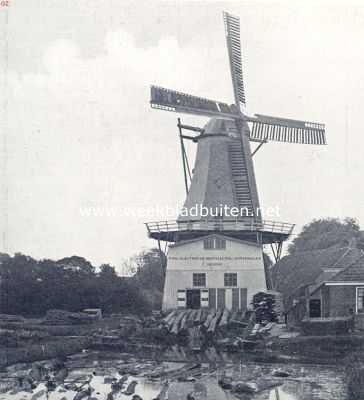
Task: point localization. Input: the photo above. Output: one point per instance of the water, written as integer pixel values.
(305, 382)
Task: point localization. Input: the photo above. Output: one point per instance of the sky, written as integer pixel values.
(77, 130)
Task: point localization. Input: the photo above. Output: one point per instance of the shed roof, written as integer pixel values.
(353, 273)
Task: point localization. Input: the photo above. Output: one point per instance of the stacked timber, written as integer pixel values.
(215, 321)
(209, 320)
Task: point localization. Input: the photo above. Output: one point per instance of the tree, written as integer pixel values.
(77, 263)
(150, 274)
(108, 271)
(324, 233)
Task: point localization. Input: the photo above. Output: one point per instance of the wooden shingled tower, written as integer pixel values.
(215, 260)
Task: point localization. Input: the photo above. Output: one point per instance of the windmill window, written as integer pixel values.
(360, 300)
(214, 243)
(199, 280)
(231, 279)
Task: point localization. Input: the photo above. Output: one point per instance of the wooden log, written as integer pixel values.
(209, 318)
(215, 321)
(224, 318)
(198, 316)
(169, 316)
(250, 326)
(130, 389)
(192, 315)
(184, 320)
(177, 321)
(172, 319)
(234, 315)
(205, 313)
(163, 393)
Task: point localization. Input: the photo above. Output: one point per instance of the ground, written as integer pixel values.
(276, 363)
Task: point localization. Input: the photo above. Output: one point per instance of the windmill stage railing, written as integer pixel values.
(226, 225)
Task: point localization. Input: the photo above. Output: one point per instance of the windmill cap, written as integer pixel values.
(220, 126)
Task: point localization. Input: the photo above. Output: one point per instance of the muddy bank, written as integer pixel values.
(50, 349)
(318, 349)
(94, 376)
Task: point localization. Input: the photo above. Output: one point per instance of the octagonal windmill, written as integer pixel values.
(215, 260)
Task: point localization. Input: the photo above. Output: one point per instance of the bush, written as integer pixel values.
(355, 377)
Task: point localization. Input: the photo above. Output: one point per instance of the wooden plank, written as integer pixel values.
(177, 321)
(215, 321)
(209, 318)
(183, 324)
(234, 315)
(169, 316)
(198, 316)
(193, 315)
(224, 318)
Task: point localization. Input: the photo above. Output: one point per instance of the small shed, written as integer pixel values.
(94, 312)
(321, 284)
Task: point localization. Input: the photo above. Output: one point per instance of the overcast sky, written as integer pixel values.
(78, 131)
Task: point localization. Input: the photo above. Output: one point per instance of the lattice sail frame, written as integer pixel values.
(232, 31)
(262, 127)
(286, 130)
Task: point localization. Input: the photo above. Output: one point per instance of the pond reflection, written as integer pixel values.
(223, 377)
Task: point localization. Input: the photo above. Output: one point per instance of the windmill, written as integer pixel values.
(223, 176)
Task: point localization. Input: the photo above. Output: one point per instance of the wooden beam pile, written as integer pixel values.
(178, 321)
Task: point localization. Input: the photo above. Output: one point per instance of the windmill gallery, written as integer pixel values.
(215, 260)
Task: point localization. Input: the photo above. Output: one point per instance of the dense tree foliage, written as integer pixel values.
(30, 287)
(151, 266)
(324, 233)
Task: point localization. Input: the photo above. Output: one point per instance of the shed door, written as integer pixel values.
(315, 308)
(193, 298)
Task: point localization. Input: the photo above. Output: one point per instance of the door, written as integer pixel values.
(212, 298)
(221, 299)
(235, 299)
(315, 308)
(229, 299)
(193, 298)
(243, 299)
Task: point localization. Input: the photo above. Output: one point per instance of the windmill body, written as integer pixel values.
(215, 256)
(223, 172)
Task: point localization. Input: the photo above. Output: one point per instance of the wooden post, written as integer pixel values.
(183, 154)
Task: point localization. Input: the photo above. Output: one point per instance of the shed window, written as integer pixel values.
(214, 243)
(199, 280)
(231, 279)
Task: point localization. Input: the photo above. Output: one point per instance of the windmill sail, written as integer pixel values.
(232, 31)
(286, 130)
(171, 100)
